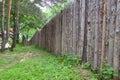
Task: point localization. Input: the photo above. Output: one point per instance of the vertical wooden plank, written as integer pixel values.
(92, 24)
(91, 14)
(117, 42)
(78, 34)
(58, 38)
(73, 21)
(82, 25)
(39, 38)
(71, 28)
(57, 34)
(46, 40)
(67, 28)
(96, 34)
(89, 33)
(75, 13)
(100, 27)
(104, 31)
(68, 31)
(53, 34)
(112, 31)
(43, 38)
(64, 31)
(50, 34)
(60, 33)
(107, 31)
(84, 56)
(36, 38)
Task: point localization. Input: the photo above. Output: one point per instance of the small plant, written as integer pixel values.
(86, 65)
(70, 59)
(78, 59)
(106, 72)
(42, 66)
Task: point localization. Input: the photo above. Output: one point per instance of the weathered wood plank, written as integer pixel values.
(100, 27)
(89, 28)
(64, 50)
(112, 31)
(82, 27)
(117, 42)
(78, 34)
(103, 31)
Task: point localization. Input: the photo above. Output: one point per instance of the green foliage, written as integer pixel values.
(29, 24)
(86, 65)
(42, 67)
(107, 72)
(93, 78)
(31, 16)
(2, 62)
(7, 58)
(70, 59)
(53, 10)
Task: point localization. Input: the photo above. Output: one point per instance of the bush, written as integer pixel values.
(70, 59)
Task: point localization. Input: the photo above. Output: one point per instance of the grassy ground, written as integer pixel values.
(31, 63)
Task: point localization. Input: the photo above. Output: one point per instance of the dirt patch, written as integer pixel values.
(1, 70)
(26, 56)
(21, 58)
(83, 71)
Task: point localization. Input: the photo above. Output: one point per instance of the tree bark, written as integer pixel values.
(16, 23)
(18, 30)
(8, 20)
(2, 26)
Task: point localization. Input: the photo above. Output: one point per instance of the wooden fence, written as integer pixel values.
(90, 28)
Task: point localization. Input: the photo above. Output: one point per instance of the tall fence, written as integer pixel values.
(90, 28)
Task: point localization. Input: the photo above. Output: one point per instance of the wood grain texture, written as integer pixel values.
(90, 28)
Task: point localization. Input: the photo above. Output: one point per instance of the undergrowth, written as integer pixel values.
(69, 59)
(104, 73)
(49, 67)
(42, 67)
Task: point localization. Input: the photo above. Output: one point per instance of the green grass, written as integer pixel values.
(9, 56)
(43, 66)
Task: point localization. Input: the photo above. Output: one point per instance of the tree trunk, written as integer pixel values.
(18, 9)
(16, 21)
(8, 20)
(2, 26)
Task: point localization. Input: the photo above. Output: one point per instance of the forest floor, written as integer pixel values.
(31, 63)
